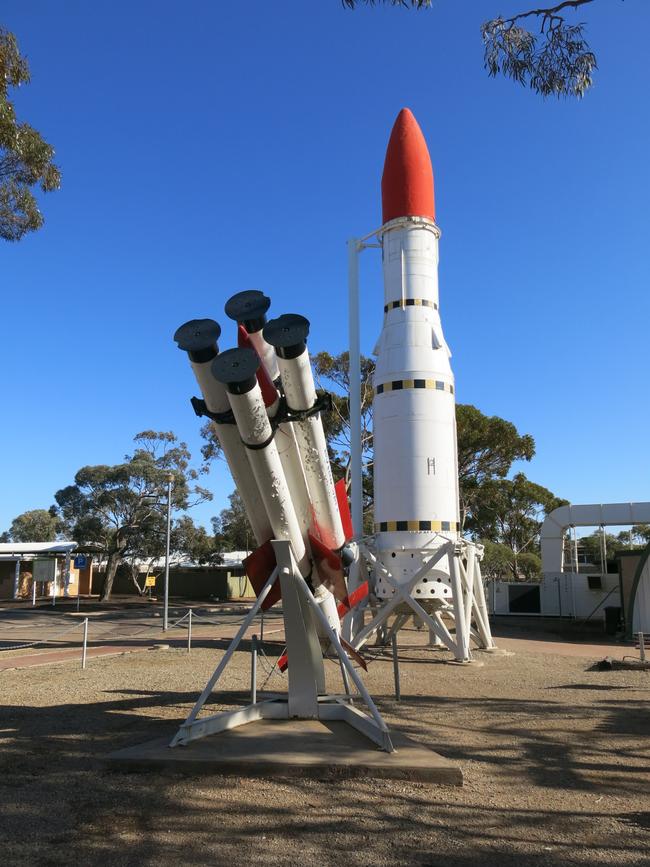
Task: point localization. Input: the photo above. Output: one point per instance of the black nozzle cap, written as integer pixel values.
(347, 556)
(198, 338)
(237, 369)
(288, 334)
(248, 308)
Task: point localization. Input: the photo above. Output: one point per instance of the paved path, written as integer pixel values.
(565, 648)
(52, 657)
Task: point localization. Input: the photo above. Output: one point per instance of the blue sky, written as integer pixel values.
(212, 147)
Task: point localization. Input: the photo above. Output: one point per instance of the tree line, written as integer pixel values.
(120, 511)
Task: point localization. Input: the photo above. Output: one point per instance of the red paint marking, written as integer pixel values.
(259, 566)
(407, 182)
(344, 508)
(353, 599)
(269, 391)
(329, 567)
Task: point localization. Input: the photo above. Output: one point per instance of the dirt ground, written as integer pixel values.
(555, 759)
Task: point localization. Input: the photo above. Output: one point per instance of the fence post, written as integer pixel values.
(85, 644)
(641, 647)
(33, 593)
(189, 631)
(254, 669)
(262, 626)
(398, 692)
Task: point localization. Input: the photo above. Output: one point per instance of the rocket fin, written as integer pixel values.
(353, 653)
(344, 508)
(329, 567)
(259, 566)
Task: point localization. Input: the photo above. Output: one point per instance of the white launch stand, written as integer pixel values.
(306, 698)
(468, 608)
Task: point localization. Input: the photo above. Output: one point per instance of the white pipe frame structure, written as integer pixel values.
(584, 515)
(306, 698)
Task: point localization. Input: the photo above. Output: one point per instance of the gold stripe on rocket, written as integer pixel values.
(410, 302)
(417, 526)
(399, 384)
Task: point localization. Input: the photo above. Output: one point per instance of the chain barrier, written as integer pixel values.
(42, 640)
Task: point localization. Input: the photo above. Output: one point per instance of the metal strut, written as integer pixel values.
(306, 697)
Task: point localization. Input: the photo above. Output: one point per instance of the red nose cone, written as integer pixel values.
(407, 182)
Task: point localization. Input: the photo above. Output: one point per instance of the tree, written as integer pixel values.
(187, 541)
(231, 527)
(497, 560)
(121, 507)
(25, 157)
(332, 373)
(592, 547)
(554, 60)
(510, 512)
(641, 533)
(487, 448)
(37, 525)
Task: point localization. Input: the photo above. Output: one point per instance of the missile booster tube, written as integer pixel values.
(285, 440)
(236, 369)
(248, 309)
(198, 338)
(288, 334)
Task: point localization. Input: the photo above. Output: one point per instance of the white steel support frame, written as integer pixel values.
(351, 622)
(468, 609)
(306, 698)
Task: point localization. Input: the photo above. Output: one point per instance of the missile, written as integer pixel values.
(237, 370)
(198, 338)
(248, 309)
(414, 420)
(288, 334)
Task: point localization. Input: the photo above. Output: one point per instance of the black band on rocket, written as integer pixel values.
(410, 302)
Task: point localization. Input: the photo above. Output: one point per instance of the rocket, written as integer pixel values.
(414, 423)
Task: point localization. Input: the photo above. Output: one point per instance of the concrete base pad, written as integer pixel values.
(303, 748)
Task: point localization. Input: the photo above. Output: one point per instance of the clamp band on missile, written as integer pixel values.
(201, 409)
(323, 403)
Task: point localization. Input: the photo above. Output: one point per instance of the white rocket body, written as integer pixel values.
(414, 418)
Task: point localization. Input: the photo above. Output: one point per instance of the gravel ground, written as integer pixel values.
(555, 760)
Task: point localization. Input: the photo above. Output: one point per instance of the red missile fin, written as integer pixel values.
(344, 508)
(328, 565)
(259, 566)
(407, 182)
(353, 599)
